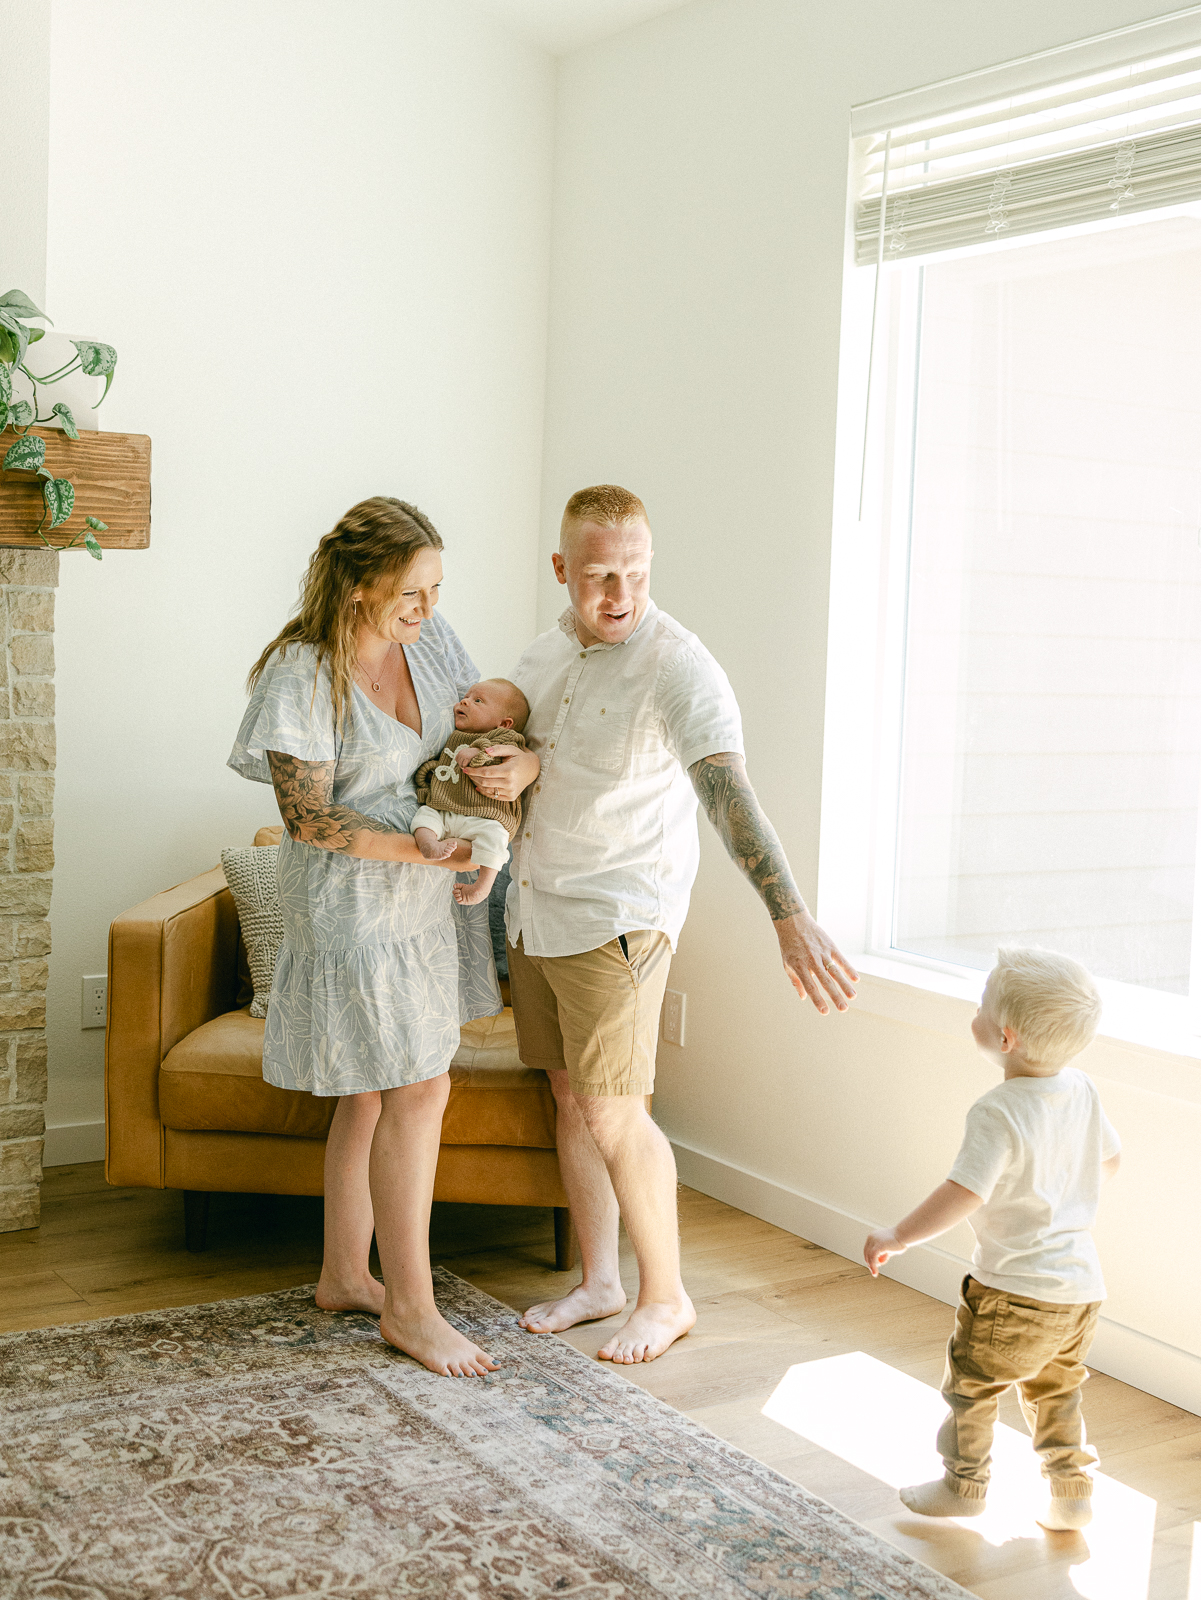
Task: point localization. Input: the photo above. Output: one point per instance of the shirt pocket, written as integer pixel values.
(600, 737)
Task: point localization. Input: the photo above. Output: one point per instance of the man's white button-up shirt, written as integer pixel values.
(608, 843)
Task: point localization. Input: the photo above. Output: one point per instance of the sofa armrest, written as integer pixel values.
(172, 965)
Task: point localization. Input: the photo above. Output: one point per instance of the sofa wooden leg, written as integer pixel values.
(195, 1218)
(564, 1240)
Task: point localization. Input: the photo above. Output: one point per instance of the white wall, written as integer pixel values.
(25, 50)
(318, 237)
(697, 263)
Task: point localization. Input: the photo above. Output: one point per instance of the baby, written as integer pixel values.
(491, 712)
(1035, 1152)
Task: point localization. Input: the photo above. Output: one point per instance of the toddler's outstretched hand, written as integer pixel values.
(880, 1245)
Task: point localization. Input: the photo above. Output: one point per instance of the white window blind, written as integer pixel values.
(1088, 148)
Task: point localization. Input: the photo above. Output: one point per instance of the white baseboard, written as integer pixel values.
(1121, 1352)
(71, 1142)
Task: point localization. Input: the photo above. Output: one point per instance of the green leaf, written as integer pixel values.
(59, 495)
(97, 358)
(27, 454)
(22, 414)
(64, 411)
(35, 334)
(14, 300)
(6, 384)
(45, 472)
(95, 522)
(17, 332)
(89, 540)
(3, 412)
(8, 347)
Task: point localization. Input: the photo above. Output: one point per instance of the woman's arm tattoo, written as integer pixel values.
(733, 808)
(305, 791)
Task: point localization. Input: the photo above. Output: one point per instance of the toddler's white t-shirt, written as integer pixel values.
(1032, 1150)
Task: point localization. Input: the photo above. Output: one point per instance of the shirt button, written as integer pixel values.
(552, 744)
(525, 883)
(537, 788)
(527, 835)
(567, 700)
(583, 653)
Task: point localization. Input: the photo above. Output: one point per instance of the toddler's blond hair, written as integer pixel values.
(1049, 1001)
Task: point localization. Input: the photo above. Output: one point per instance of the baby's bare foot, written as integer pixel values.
(335, 1295)
(586, 1303)
(936, 1499)
(470, 894)
(651, 1330)
(430, 1339)
(433, 848)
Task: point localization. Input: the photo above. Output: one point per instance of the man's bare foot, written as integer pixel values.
(365, 1296)
(585, 1303)
(430, 1339)
(651, 1330)
(470, 894)
(433, 848)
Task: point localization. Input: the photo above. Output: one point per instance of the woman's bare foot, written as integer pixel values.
(651, 1330)
(365, 1296)
(586, 1303)
(470, 894)
(433, 848)
(430, 1339)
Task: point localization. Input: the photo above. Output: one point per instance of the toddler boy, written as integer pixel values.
(1028, 1174)
(491, 712)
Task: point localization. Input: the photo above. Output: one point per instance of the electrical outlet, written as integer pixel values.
(93, 1009)
(673, 1016)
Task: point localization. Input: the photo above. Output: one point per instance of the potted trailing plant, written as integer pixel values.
(28, 452)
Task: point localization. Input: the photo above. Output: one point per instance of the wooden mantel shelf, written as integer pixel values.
(111, 474)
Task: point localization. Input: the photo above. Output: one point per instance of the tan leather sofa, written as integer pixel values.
(185, 1102)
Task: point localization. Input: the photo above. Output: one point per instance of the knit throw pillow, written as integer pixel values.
(250, 875)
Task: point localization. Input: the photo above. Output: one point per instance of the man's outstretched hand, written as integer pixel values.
(815, 966)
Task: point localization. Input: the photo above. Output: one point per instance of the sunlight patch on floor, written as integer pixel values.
(1194, 1566)
(884, 1422)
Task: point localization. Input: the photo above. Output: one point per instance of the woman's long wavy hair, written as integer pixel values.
(372, 547)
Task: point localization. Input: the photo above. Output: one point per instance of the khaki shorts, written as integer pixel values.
(595, 1015)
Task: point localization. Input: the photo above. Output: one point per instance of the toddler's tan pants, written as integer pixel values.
(1002, 1339)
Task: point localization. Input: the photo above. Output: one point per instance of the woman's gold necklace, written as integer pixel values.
(367, 675)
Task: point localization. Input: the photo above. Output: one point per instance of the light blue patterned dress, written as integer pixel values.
(378, 966)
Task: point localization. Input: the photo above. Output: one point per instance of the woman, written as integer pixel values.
(377, 968)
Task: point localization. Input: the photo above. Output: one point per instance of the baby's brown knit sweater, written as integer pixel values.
(457, 793)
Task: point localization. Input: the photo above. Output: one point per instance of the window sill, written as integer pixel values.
(1135, 1025)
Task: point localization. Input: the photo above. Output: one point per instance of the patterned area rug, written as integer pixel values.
(255, 1449)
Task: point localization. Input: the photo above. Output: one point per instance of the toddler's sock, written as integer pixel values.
(1062, 1514)
(936, 1500)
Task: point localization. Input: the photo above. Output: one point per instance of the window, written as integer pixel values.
(1030, 498)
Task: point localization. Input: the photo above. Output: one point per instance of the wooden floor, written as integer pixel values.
(768, 1302)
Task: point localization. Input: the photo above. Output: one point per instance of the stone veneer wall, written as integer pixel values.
(28, 579)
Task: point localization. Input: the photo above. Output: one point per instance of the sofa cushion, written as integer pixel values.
(213, 1080)
(252, 878)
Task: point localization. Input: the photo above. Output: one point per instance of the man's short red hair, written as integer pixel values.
(605, 503)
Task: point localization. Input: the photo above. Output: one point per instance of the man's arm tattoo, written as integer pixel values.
(305, 790)
(733, 808)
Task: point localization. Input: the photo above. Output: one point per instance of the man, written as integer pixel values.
(626, 707)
